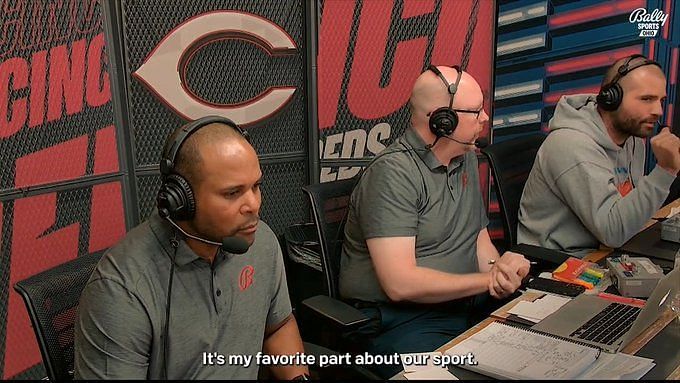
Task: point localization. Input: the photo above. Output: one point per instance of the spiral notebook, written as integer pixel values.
(505, 351)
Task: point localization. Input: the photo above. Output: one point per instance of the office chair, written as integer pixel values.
(51, 299)
(330, 202)
(511, 162)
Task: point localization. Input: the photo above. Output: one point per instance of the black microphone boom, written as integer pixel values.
(481, 142)
(233, 244)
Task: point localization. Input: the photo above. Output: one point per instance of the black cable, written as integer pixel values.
(166, 332)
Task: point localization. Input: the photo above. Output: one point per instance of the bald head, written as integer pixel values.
(613, 70)
(430, 93)
(189, 160)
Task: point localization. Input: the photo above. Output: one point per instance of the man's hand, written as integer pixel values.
(506, 274)
(666, 148)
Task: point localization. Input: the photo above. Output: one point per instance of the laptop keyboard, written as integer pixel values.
(609, 325)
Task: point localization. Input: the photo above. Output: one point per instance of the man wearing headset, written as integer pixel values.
(174, 300)
(416, 246)
(587, 185)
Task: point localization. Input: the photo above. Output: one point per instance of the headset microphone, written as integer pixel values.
(233, 244)
(481, 142)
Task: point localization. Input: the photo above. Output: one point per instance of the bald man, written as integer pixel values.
(416, 246)
(163, 304)
(587, 186)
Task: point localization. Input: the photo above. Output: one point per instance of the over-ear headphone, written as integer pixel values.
(444, 120)
(175, 198)
(611, 95)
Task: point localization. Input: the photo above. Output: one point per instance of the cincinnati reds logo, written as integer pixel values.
(246, 277)
(164, 70)
(465, 179)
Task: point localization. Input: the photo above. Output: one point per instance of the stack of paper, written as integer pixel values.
(421, 366)
(505, 351)
(618, 366)
(537, 310)
(674, 211)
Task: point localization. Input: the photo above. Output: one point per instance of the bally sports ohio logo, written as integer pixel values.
(648, 23)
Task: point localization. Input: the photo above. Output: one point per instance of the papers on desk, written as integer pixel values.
(431, 374)
(508, 352)
(618, 366)
(674, 211)
(537, 310)
(423, 367)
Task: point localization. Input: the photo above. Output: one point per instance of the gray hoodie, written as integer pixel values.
(576, 196)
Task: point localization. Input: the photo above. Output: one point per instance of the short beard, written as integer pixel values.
(630, 127)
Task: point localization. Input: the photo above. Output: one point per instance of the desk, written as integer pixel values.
(659, 342)
(598, 255)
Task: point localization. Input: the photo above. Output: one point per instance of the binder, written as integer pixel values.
(508, 351)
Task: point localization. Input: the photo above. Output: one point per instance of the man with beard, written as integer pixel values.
(587, 184)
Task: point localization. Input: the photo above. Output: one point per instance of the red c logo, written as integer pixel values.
(246, 277)
(178, 46)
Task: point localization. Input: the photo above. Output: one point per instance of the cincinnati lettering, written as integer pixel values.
(59, 81)
(30, 25)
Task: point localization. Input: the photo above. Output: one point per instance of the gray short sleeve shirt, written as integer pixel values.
(411, 194)
(220, 308)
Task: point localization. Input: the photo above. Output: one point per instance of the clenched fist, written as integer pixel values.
(666, 148)
(506, 274)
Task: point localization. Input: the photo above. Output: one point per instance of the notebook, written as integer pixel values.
(505, 351)
(606, 324)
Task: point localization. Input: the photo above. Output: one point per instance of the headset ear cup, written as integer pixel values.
(178, 198)
(162, 203)
(610, 98)
(443, 122)
(617, 96)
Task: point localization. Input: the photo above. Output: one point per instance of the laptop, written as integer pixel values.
(649, 243)
(606, 324)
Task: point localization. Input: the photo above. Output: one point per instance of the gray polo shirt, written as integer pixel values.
(411, 194)
(223, 308)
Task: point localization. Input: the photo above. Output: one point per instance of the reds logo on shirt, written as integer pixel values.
(245, 280)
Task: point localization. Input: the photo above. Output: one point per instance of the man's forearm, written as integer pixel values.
(424, 285)
(486, 251)
(285, 341)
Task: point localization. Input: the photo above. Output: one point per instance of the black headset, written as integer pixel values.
(611, 95)
(443, 121)
(175, 198)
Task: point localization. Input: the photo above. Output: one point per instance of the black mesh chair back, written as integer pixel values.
(511, 162)
(51, 298)
(330, 201)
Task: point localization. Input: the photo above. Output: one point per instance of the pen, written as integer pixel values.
(492, 261)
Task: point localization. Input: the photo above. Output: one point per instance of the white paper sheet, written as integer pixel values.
(431, 374)
(540, 308)
(421, 361)
(618, 366)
